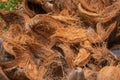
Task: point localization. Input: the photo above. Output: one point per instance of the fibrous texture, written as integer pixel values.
(61, 40)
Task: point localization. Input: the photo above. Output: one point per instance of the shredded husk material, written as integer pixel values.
(61, 40)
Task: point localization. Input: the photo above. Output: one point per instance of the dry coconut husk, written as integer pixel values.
(109, 73)
(33, 7)
(60, 40)
(14, 18)
(43, 27)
